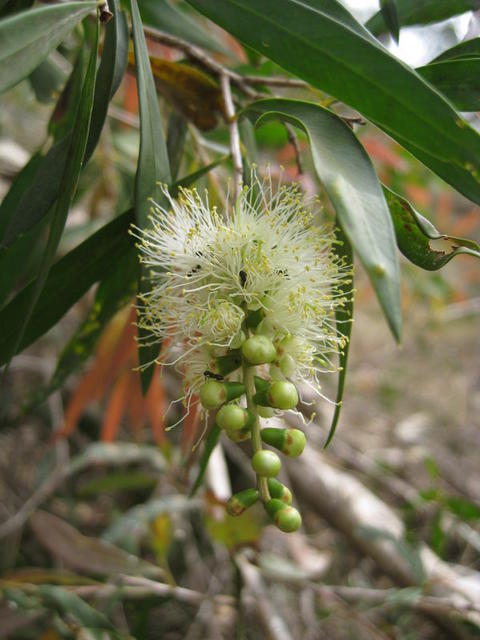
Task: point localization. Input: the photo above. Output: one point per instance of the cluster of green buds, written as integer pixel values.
(241, 404)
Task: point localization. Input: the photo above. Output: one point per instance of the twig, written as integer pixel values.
(202, 58)
(293, 140)
(234, 136)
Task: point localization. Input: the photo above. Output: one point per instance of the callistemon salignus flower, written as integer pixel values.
(244, 293)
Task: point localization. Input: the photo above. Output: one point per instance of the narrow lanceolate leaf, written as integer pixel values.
(152, 167)
(414, 233)
(68, 187)
(344, 319)
(352, 185)
(458, 79)
(421, 12)
(323, 44)
(114, 292)
(36, 187)
(110, 72)
(390, 15)
(26, 38)
(69, 279)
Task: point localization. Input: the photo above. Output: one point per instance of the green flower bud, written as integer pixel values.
(288, 365)
(259, 350)
(283, 395)
(233, 418)
(241, 501)
(279, 491)
(291, 442)
(274, 505)
(213, 393)
(265, 412)
(280, 395)
(288, 519)
(266, 463)
(226, 364)
(239, 436)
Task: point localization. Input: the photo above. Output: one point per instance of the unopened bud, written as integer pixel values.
(233, 418)
(259, 350)
(291, 442)
(241, 501)
(279, 491)
(266, 463)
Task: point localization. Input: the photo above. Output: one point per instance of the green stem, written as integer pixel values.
(249, 382)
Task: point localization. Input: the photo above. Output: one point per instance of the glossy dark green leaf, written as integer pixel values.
(465, 49)
(69, 279)
(414, 233)
(68, 187)
(323, 44)
(152, 168)
(344, 320)
(210, 444)
(36, 187)
(26, 38)
(458, 79)
(421, 12)
(114, 292)
(389, 12)
(110, 72)
(164, 16)
(352, 185)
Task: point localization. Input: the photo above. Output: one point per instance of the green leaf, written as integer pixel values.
(68, 187)
(389, 12)
(458, 79)
(115, 291)
(27, 38)
(110, 72)
(210, 444)
(463, 508)
(414, 233)
(465, 49)
(323, 44)
(72, 607)
(162, 15)
(46, 79)
(176, 134)
(152, 168)
(36, 187)
(421, 12)
(344, 319)
(352, 185)
(68, 280)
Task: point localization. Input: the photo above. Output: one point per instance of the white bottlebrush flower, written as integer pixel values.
(216, 275)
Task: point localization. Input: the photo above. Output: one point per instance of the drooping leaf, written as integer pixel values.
(26, 38)
(210, 444)
(352, 185)
(389, 12)
(72, 607)
(344, 319)
(458, 79)
(152, 168)
(421, 12)
(323, 44)
(110, 72)
(414, 233)
(68, 280)
(68, 187)
(36, 187)
(162, 15)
